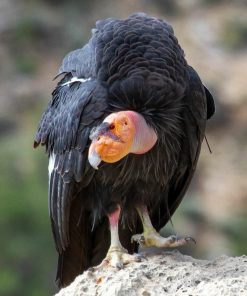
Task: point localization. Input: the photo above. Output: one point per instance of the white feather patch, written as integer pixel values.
(76, 79)
(51, 163)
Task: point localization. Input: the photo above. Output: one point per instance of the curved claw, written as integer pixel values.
(140, 257)
(139, 238)
(190, 239)
(119, 265)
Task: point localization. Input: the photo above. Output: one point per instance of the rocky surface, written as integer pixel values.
(167, 273)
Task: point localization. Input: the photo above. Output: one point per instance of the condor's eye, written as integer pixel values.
(112, 126)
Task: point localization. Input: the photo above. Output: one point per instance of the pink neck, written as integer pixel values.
(145, 136)
(114, 217)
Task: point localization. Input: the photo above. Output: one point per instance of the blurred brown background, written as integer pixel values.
(35, 35)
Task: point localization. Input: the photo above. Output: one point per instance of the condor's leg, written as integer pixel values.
(116, 256)
(151, 238)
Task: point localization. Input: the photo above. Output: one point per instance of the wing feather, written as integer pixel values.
(64, 129)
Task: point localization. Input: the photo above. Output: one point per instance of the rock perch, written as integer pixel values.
(168, 273)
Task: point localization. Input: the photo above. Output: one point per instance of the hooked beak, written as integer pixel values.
(93, 157)
(96, 133)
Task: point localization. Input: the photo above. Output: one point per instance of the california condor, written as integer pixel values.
(123, 132)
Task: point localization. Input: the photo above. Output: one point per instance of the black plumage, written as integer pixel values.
(133, 64)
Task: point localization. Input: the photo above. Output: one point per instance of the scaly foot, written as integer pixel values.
(153, 239)
(117, 257)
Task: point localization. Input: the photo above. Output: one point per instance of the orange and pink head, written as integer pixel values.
(119, 134)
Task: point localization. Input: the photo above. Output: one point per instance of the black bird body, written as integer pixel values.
(133, 64)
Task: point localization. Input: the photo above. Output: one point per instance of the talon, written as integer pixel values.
(139, 238)
(119, 265)
(173, 239)
(140, 257)
(190, 239)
